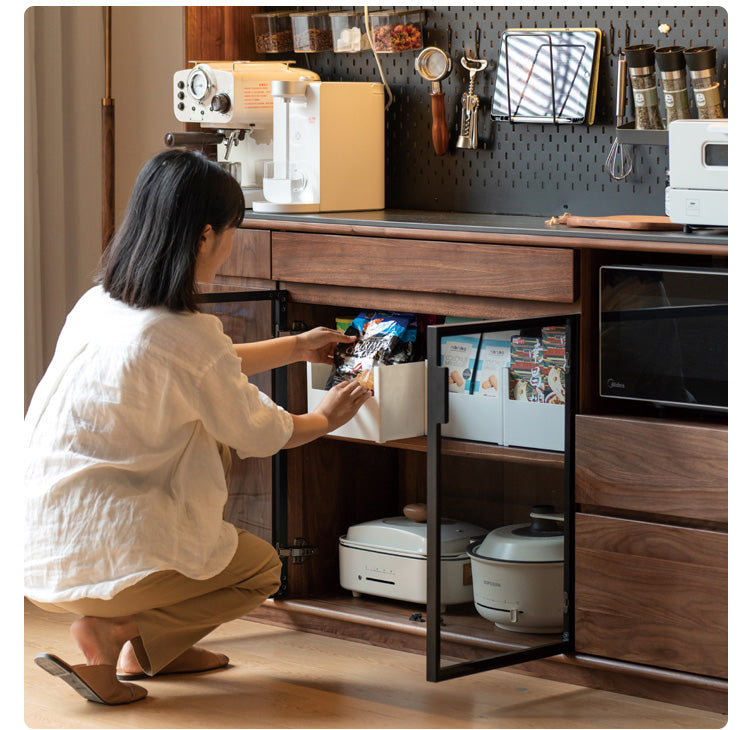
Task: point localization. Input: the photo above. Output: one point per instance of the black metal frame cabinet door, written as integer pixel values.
(230, 304)
(491, 646)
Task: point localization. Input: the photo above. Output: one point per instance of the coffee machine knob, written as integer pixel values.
(221, 103)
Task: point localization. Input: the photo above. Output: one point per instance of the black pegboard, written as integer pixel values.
(532, 169)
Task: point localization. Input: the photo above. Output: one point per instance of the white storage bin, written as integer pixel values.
(397, 410)
(474, 418)
(476, 413)
(533, 425)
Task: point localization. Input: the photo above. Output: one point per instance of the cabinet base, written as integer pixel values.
(372, 621)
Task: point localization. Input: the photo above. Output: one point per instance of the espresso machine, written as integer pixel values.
(294, 142)
(231, 101)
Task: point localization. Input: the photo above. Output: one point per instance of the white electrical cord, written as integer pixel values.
(377, 59)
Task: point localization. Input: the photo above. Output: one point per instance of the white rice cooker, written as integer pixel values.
(518, 574)
(388, 557)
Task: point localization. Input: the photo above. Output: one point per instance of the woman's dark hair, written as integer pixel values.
(151, 259)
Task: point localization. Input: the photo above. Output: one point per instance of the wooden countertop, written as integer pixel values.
(487, 228)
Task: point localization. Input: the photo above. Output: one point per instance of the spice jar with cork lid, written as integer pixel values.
(701, 64)
(671, 63)
(643, 82)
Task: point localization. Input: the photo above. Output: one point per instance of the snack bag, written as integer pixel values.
(556, 363)
(527, 372)
(383, 338)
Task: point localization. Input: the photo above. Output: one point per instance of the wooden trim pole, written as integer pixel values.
(108, 137)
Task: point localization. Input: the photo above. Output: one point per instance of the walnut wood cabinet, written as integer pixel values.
(650, 529)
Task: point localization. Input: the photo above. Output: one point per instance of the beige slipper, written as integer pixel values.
(96, 683)
(192, 661)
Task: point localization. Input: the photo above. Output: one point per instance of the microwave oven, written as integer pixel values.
(663, 335)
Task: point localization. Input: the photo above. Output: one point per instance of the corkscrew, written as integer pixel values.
(467, 139)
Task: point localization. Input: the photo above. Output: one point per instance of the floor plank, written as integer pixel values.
(289, 679)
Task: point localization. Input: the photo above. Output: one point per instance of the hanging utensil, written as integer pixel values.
(434, 65)
(467, 139)
(620, 160)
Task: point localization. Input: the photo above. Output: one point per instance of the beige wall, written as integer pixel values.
(147, 48)
(64, 86)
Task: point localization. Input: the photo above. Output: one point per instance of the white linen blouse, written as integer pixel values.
(123, 475)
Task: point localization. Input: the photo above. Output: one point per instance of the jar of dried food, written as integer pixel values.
(273, 32)
(311, 32)
(397, 30)
(701, 64)
(671, 63)
(348, 32)
(643, 82)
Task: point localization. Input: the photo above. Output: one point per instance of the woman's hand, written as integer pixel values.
(318, 345)
(341, 402)
(338, 406)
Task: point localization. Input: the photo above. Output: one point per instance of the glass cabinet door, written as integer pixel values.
(501, 401)
(257, 499)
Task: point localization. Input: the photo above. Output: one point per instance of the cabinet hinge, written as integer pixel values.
(299, 551)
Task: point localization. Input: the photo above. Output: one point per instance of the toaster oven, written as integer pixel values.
(698, 192)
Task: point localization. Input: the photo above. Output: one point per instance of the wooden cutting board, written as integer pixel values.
(625, 222)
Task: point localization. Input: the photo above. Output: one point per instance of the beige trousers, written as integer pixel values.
(174, 612)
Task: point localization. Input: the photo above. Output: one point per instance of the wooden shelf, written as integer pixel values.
(476, 449)
(466, 635)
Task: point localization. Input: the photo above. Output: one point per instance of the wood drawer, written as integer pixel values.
(251, 255)
(513, 272)
(651, 594)
(645, 465)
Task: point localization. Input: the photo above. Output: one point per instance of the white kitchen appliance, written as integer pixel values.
(517, 572)
(388, 557)
(328, 147)
(232, 101)
(313, 146)
(698, 192)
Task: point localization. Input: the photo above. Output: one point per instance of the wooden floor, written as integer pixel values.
(289, 679)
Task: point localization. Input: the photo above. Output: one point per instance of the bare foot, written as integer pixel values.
(128, 662)
(101, 639)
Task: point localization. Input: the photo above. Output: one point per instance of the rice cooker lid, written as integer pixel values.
(400, 534)
(540, 541)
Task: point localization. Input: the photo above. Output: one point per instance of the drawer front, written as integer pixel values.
(513, 272)
(251, 255)
(651, 594)
(660, 467)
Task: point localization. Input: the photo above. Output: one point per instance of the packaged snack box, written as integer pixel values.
(494, 355)
(458, 355)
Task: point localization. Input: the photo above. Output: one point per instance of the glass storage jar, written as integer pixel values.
(701, 64)
(311, 32)
(273, 32)
(348, 32)
(671, 63)
(643, 82)
(396, 30)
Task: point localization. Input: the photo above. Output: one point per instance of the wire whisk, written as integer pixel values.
(620, 159)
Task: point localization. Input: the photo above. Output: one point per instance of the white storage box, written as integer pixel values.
(397, 410)
(505, 421)
(533, 425)
(474, 418)
(388, 558)
(475, 409)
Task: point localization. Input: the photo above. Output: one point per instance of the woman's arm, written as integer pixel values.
(338, 406)
(316, 345)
